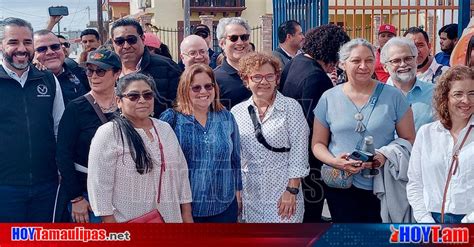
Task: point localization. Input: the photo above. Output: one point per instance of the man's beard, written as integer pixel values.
(448, 50)
(404, 77)
(18, 66)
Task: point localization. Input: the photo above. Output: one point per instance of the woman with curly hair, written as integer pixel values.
(305, 79)
(441, 168)
(274, 138)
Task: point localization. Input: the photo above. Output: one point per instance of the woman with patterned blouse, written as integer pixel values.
(126, 161)
(274, 145)
(209, 138)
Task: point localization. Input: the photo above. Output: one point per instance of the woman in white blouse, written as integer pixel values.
(274, 139)
(434, 149)
(125, 161)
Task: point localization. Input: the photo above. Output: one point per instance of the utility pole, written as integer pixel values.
(100, 21)
(187, 13)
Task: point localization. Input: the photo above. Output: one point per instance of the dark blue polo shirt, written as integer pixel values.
(231, 86)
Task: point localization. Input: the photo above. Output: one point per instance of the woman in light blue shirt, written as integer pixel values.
(209, 138)
(344, 116)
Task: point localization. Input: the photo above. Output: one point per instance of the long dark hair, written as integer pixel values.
(470, 47)
(139, 153)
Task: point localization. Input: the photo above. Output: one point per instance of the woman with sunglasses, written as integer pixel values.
(441, 170)
(274, 137)
(78, 125)
(136, 164)
(209, 137)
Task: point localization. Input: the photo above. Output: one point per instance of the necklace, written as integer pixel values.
(111, 108)
(265, 112)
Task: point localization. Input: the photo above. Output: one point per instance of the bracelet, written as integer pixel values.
(77, 199)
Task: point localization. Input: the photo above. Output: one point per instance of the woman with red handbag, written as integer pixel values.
(441, 168)
(137, 171)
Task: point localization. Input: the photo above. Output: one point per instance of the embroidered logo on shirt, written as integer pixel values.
(42, 90)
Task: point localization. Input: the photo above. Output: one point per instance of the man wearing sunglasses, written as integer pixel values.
(234, 37)
(49, 52)
(128, 42)
(31, 107)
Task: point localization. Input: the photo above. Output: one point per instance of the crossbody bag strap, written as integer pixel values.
(452, 170)
(96, 107)
(163, 165)
(372, 102)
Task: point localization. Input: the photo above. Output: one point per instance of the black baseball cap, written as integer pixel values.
(201, 30)
(104, 58)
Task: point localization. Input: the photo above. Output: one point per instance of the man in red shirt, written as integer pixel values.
(386, 32)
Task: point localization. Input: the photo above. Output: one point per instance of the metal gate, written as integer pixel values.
(361, 18)
(309, 13)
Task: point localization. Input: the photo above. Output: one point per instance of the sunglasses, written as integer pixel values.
(202, 34)
(234, 38)
(134, 96)
(197, 88)
(53, 47)
(66, 44)
(131, 40)
(99, 72)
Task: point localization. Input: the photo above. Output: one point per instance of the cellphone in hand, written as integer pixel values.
(362, 156)
(58, 11)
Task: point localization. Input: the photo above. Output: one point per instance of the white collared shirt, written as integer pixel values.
(430, 72)
(430, 161)
(58, 103)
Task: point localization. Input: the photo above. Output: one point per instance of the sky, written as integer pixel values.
(36, 12)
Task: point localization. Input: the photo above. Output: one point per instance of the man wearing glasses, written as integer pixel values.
(50, 53)
(31, 106)
(234, 37)
(194, 50)
(128, 38)
(399, 58)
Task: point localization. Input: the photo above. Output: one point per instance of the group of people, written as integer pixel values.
(260, 138)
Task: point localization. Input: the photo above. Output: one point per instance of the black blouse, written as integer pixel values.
(76, 130)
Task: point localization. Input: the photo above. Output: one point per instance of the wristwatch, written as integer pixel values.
(293, 191)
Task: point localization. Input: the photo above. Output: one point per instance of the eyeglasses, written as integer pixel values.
(197, 88)
(458, 96)
(53, 47)
(234, 38)
(99, 72)
(257, 78)
(195, 53)
(66, 44)
(398, 61)
(134, 96)
(131, 40)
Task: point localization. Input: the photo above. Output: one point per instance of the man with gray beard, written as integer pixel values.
(399, 58)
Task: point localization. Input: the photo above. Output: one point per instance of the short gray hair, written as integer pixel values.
(224, 22)
(397, 41)
(12, 21)
(346, 49)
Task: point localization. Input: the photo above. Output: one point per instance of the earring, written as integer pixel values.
(152, 113)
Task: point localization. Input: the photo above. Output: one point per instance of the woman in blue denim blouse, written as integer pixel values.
(209, 138)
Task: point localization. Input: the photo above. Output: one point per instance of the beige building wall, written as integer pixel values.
(167, 13)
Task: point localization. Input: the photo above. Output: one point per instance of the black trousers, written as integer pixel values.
(313, 189)
(353, 205)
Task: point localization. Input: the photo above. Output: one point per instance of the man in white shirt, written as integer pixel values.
(291, 39)
(399, 58)
(428, 69)
(31, 106)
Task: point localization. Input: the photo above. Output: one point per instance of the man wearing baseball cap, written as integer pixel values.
(204, 31)
(386, 32)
